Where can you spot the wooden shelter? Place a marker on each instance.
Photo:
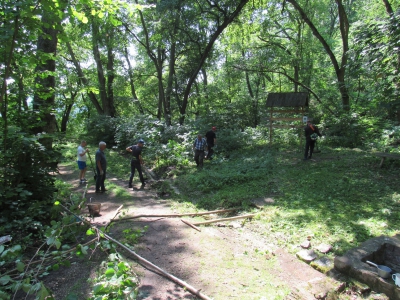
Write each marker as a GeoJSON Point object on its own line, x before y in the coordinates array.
{"type": "Point", "coordinates": [286, 107]}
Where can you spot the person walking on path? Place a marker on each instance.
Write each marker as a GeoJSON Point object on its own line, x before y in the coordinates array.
{"type": "Point", "coordinates": [82, 161]}
{"type": "Point", "coordinates": [211, 141]}
{"type": "Point", "coordinates": [136, 161]}
{"type": "Point", "coordinates": [101, 168]}
{"type": "Point", "coordinates": [199, 146]}
{"type": "Point", "coordinates": [311, 132]}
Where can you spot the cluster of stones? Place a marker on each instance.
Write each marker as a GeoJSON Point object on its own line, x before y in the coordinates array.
{"type": "Point", "coordinates": [308, 255]}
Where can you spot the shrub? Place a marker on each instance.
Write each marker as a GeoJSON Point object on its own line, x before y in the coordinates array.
{"type": "Point", "coordinates": [27, 183]}
{"type": "Point", "coordinates": [102, 128]}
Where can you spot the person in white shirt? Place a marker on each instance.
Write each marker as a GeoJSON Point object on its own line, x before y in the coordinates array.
{"type": "Point", "coordinates": [82, 161]}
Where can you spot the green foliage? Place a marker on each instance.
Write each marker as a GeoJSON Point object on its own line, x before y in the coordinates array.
{"type": "Point", "coordinates": [350, 130]}
{"type": "Point", "coordinates": [102, 128]}
{"type": "Point", "coordinates": [132, 235]}
{"type": "Point", "coordinates": [27, 183]}
{"type": "Point", "coordinates": [116, 280]}
{"type": "Point", "coordinates": [389, 140]}
{"type": "Point", "coordinates": [230, 182]}
{"type": "Point", "coordinates": [375, 55]}
{"type": "Point", "coordinates": [172, 153]}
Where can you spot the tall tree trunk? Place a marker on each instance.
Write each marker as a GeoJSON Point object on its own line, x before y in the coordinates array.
{"type": "Point", "coordinates": [107, 100]}
{"type": "Point", "coordinates": [132, 83]}
{"type": "Point", "coordinates": [8, 62]}
{"type": "Point", "coordinates": [227, 20]}
{"type": "Point", "coordinates": [344, 30]}
{"type": "Point", "coordinates": [99, 66]}
{"type": "Point", "coordinates": [389, 8]}
{"type": "Point", "coordinates": [44, 97]}
{"type": "Point", "coordinates": [161, 95]}
{"type": "Point", "coordinates": [157, 61]}
{"type": "Point", "coordinates": [170, 81]}
{"type": "Point", "coordinates": [110, 74]}
{"type": "Point", "coordinates": [67, 111]}
{"type": "Point", "coordinates": [83, 80]}
{"type": "Point", "coordinates": [65, 117]}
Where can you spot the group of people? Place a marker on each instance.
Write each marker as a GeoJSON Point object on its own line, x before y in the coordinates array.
{"type": "Point", "coordinates": [202, 147]}
{"type": "Point", "coordinates": [101, 164]}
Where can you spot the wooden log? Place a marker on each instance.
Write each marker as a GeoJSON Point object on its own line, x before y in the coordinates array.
{"type": "Point", "coordinates": [287, 119]}
{"type": "Point", "coordinates": [191, 225]}
{"type": "Point", "coordinates": [224, 219]}
{"type": "Point", "coordinates": [116, 213]}
{"type": "Point", "coordinates": [179, 215]}
{"type": "Point", "coordinates": [147, 263]}
{"type": "Point", "coordinates": [287, 126]}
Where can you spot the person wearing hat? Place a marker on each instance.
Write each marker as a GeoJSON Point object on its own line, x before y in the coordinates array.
{"type": "Point", "coordinates": [211, 141]}
{"type": "Point", "coordinates": [136, 161]}
{"type": "Point", "coordinates": [311, 132]}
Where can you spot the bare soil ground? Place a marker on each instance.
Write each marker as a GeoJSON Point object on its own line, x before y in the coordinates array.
{"type": "Point", "coordinates": [227, 262]}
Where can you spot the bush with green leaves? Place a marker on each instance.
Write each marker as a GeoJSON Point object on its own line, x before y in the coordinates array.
{"type": "Point", "coordinates": [230, 182]}
{"type": "Point", "coordinates": [27, 183]}
{"type": "Point", "coordinates": [116, 280]}
{"type": "Point", "coordinates": [102, 128]}
{"type": "Point", "coordinates": [344, 131]}
{"type": "Point", "coordinates": [389, 140]}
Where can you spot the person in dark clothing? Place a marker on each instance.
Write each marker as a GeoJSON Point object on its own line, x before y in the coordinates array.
{"type": "Point", "coordinates": [199, 146]}
{"type": "Point", "coordinates": [211, 141]}
{"type": "Point", "coordinates": [136, 161]}
{"type": "Point", "coordinates": [101, 167]}
{"type": "Point", "coordinates": [311, 132]}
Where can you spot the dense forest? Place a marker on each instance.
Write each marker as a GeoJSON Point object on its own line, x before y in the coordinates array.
{"type": "Point", "coordinates": [163, 70]}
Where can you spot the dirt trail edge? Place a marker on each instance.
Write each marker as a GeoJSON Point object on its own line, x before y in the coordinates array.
{"type": "Point", "coordinates": [220, 262]}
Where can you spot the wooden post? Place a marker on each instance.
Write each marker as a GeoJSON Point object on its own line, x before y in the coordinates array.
{"type": "Point", "coordinates": [270, 125]}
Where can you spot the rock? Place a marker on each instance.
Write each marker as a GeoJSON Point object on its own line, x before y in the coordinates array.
{"type": "Point", "coordinates": [323, 264]}
{"type": "Point", "coordinates": [324, 248]}
{"type": "Point", "coordinates": [305, 244]}
{"type": "Point", "coordinates": [235, 225]}
{"type": "Point", "coordinates": [306, 255]}
{"type": "Point", "coordinates": [342, 263]}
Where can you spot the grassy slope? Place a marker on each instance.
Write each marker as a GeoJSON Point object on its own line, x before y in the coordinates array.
{"type": "Point", "coordinates": [342, 198]}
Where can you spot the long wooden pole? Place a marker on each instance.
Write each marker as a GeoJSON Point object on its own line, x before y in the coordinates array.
{"type": "Point", "coordinates": [224, 219]}
{"type": "Point", "coordinates": [172, 277]}
{"type": "Point", "coordinates": [191, 225]}
{"type": "Point", "coordinates": [178, 215]}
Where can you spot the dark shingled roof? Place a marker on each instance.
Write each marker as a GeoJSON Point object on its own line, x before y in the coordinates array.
{"type": "Point", "coordinates": [287, 99]}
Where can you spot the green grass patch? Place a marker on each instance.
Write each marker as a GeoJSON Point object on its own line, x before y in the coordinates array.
{"type": "Point", "coordinates": [343, 198]}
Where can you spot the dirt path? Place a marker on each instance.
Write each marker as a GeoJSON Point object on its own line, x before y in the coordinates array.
{"type": "Point", "coordinates": [223, 262]}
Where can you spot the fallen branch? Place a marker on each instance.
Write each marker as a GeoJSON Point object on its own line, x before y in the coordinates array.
{"type": "Point", "coordinates": [172, 277]}
{"type": "Point", "coordinates": [224, 219]}
{"type": "Point", "coordinates": [116, 213]}
{"type": "Point", "coordinates": [179, 215]}
{"type": "Point", "coordinates": [146, 262]}
{"type": "Point", "coordinates": [191, 225]}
